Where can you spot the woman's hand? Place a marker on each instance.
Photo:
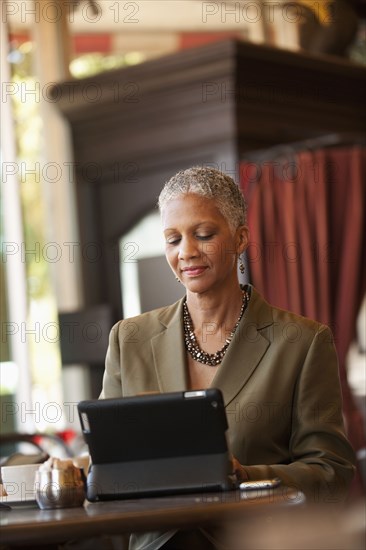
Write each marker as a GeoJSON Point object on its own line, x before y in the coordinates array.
{"type": "Point", "coordinates": [238, 470]}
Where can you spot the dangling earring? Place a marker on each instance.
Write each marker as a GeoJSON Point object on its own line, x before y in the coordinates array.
{"type": "Point", "coordinates": [177, 279]}
{"type": "Point", "coordinates": [241, 266]}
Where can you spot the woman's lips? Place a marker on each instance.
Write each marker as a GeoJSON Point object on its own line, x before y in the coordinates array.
{"type": "Point", "coordinates": [194, 271]}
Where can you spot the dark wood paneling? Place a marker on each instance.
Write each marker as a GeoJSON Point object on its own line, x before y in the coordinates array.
{"type": "Point", "coordinates": [134, 128]}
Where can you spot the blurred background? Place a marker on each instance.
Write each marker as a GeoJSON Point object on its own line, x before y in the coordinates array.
{"type": "Point", "coordinates": [102, 101]}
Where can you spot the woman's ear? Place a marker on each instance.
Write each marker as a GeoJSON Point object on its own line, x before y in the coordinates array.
{"type": "Point", "coordinates": [243, 238]}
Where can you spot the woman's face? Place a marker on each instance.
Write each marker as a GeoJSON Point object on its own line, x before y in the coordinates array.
{"type": "Point", "coordinates": [200, 247]}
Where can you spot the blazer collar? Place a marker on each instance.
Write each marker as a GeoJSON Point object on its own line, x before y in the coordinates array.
{"type": "Point", "coordinates": [169, 352]}
{"type": "Point", "coordinates": [248, 347]}
{"type": "Point", "coordinates": [242, 358]}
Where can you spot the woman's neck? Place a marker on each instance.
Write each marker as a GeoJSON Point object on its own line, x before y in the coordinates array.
{"type": "Point", "coordinates": [214, 311]}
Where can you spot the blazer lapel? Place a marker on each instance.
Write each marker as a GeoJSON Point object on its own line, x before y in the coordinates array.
{"type": "Point", "coordinates": [168, 351]}
{"type": "Point", "coordinates": [246, 350]}
{"type": "Point", "coordinates": [242, 358]}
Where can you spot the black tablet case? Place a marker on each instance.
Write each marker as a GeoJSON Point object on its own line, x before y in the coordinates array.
{"type": "Point", "coordinates": [156, 444]}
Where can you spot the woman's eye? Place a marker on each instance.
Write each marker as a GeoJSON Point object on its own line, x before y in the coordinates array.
{"type": "Point", "coordinates": [204, 237]}
{"type": "Point", "coordinates": [172, 241]}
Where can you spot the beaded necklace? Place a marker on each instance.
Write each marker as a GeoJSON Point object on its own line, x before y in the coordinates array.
{"type": "Point", "coordinates": [190, 340]}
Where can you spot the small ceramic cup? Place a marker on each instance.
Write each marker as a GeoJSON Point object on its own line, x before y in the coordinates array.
{"type": "Point", "coordinates": [18, 482]}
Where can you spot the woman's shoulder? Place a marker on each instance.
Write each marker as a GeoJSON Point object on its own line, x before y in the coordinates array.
{"type": "Point", "coordinates": [285, 318]}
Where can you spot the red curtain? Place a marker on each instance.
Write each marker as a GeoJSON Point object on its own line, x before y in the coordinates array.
{"type": "Point", "coordinates": [307, 220]}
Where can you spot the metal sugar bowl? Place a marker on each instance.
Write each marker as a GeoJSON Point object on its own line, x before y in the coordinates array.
{"type": "Point", "coordinates": [59, 488]}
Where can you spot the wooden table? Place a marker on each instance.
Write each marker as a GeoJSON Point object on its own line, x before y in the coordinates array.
{"type": "Point", "coordinates": [28, 524]}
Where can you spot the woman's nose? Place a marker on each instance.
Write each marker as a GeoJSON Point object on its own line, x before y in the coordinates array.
{"type": "Point", "coordinates": [188, 249]}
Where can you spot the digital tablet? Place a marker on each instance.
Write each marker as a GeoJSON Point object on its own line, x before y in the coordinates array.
{"type": "Point", "coordinates": [156, 444]}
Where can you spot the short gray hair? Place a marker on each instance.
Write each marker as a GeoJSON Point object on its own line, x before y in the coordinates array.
{"type": "Point", "coordinates": [210, 183]}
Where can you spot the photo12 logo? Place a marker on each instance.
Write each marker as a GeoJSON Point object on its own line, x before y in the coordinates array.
{"type": "Point", "coordinates": [55, 11]}
{"type": "Point", "coordinates": [265, 11]}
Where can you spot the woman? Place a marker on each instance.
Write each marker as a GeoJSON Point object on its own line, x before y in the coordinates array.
{"type": "Point", "coordinates": [277, 371]}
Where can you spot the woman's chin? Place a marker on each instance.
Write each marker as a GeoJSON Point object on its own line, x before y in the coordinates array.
{"type": "Point", "coordinates": [197, 285]}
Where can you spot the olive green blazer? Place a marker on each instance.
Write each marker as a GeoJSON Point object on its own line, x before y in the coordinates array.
{"type": "Point", "coordinates": [280, 383]}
